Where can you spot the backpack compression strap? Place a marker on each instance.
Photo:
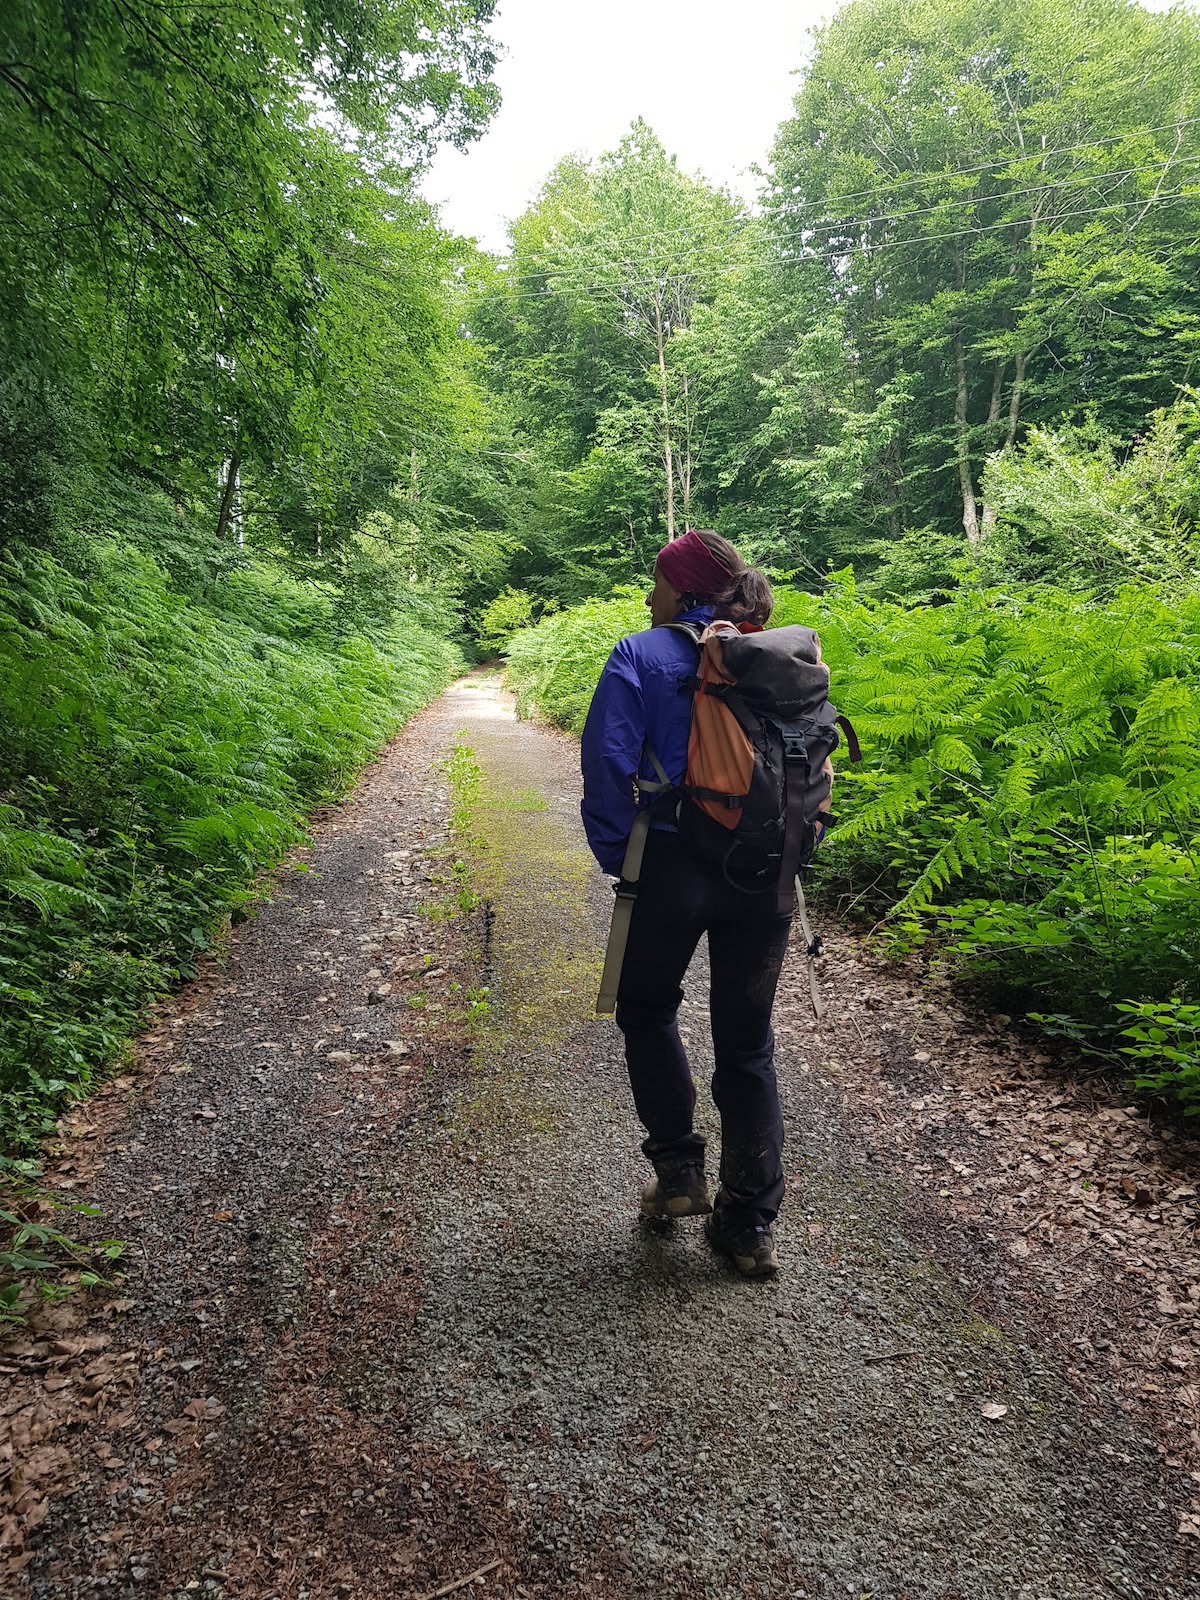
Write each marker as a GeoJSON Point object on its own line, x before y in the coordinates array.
{"type": "Point", "coordinates": [795, 828]}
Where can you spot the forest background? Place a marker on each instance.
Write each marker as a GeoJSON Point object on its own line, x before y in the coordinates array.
{"type": "Point", "coordinates": [278, 455]}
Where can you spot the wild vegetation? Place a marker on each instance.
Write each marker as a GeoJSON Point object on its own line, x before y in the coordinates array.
{"type": "Point", "coordinates": [940, 386]}
{"type": "Point", "coordinates": [240, 489]}
{"type": "Point", "coordinates": [275, 450]}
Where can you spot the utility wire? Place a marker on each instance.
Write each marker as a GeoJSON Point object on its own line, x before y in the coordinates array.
{"type": "Point", "coordinates": [1016, 158]}
{"type": "Point", "coordinates": [803, 254]}
{"type": "Point", "coordinates": [856, 224]}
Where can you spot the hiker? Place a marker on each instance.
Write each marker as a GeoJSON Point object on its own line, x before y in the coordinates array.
{"type": "Point", "coordinates": [636, 736]}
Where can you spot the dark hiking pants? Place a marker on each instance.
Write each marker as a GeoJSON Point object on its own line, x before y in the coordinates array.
{"type": "Point", "coordinates": [679, 898]}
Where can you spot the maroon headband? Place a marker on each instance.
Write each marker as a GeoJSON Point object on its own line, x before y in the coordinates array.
{"type": "Point", "coordinates": [690, 567]}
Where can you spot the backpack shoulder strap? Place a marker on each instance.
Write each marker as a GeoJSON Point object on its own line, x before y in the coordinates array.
{"type": "Point", "coordinates": [664, 782]}
{"type": "Point", "coordinates": [688, 629]}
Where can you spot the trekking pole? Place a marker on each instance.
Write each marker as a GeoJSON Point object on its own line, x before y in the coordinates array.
{"type": "Point", "coordinates": [813, 947]}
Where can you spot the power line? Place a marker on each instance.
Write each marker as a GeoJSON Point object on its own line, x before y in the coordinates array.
{"type": "Point", "coordinates": [843, 225]}
{"type": "Point", "coordinates": [804, 254]}
{"type": "Point", "coordinates": [1016, 158]}
{"type": "Point", "coordinates": [855, 224]}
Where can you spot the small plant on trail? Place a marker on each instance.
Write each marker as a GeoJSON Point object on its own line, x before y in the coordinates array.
{"type": "Point", "coordinates": [464, 779]}
{"type": "Point", "coordinates": [1165, 1035]}
{"type": "Point", "coordinates": [39, 1262]}
{"type": "Point", "coordinates": [479, 1006]}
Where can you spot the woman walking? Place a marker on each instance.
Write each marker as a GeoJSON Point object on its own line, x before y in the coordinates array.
{"type": "Point", "coordinates": [642, 706]}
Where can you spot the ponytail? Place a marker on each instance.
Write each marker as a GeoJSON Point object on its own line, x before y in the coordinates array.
{"type": "Point", "coordinates": [748, 597]}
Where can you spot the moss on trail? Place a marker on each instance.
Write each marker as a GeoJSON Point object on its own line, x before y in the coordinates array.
{"type": "Point", "coordinates": [537, 944]}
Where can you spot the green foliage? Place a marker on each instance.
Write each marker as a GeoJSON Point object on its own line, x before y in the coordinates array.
{"type": "Point", "coordinates": [511, 610]}
{"type": "Point", "coordinates": [160, 749]}
{"type": "Point", "coordinates": [922, 565]}
{"type": "Point", "coordinates": [553, 668]}
{"type": "Point", "coordinates": [971, 285]}
{"type": "Point", "coordinates": [584, 328]}
{"type": "Point", "coordinates": [1030, 796]}
{"type": "Point", "coordinates": [235, 518]}
{"type": "Point", "coordinates": [211, 243]}
{"type": "Point", "coordinates": [1076, 509]}
{"type": "Point", "coordinates": [1165, 1045]}
{"type": "Point", "coordinates": [999, 207]}
{"type": "Point", "coordinates": [1031, 793]}
{"type": "Point", "coordinates": [39, 1261]}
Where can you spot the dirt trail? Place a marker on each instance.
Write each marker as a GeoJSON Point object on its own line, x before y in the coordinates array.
{"type": "Point", "coordinates": [396, 1322]}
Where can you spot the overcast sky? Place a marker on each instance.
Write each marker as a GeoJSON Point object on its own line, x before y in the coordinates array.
{"type": "Point", "coordinates": [713, 78]}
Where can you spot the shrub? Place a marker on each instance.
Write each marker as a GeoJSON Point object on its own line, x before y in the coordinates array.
{"type": "Point", "coordinates": [1078, 509]}
{"type": "Point", "coordinates": [159, 749]}
{"type": "Point", "coordinates": [1165, 1035]}
{"type": "Point", "coordinates": [554, 667]}
{"type": "Point", "coordinates": [1030, 795]}
{"type": "Point", "coordinates": [507, 614]}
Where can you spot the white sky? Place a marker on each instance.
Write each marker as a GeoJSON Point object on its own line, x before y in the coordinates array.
{"type": "Point", "coordinates": [713, 78]}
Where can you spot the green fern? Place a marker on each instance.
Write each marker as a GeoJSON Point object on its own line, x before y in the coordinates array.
{"type": "Point", "coordinates": [168, 747]}
{"type": "Point", "coordinates": [1031, 791]}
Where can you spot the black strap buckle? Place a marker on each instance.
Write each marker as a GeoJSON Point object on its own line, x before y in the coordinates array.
{"type": "Point", "coordinates": [795, 740]}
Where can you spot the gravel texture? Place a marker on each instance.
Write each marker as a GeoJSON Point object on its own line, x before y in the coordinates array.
{"type": "Point", "coordinates": [395, 1322]}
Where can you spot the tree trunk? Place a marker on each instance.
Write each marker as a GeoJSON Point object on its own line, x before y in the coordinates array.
{"type": "Point", "coordinates": [963, 442]}
{"type": "Point", "coordinates": [668, 454]}
{"type": "Point", "coordinates": [988, 517]}
{"type": "Point", "coordinates": [1014, 399]}
{"type": "Point", "coordinates": [227, 494]}
{"type": "Point", "coordinates": [685, 465]}
{"type": "Point", "coordinates": [1014, 418]}
{"type": "Point", "coordinates": [997, 394]}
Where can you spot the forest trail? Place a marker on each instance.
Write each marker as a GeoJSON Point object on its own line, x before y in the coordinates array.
{"type": "Point", "coordinates": [392, 1320]}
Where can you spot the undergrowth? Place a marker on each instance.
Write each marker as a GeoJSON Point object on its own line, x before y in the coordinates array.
{"type": "Point", "coordinates": [163, 732]}
{"type": "Point", "coordinates": [1029, 799]}
{"type": "Point", "coordinates": [553, 667]}
{"type": "Point", "coordinates": [39, 1261]}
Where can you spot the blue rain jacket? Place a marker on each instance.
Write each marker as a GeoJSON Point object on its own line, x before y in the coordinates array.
{"type": "Point", "coordinates": [638, 701]}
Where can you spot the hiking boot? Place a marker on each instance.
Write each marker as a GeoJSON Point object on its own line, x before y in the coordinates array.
{"type": "Point", "coordinates": [680, 1192]}
{"type": "Point", "coordinates": [752, 1249]}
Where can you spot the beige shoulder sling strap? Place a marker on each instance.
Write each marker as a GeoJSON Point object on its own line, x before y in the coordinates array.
{"type": "Point", "coordinates": [627, 889]}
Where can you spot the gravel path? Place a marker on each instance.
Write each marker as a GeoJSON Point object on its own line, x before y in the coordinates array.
{"type": "Point", "coordinates": [397, 1323]}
